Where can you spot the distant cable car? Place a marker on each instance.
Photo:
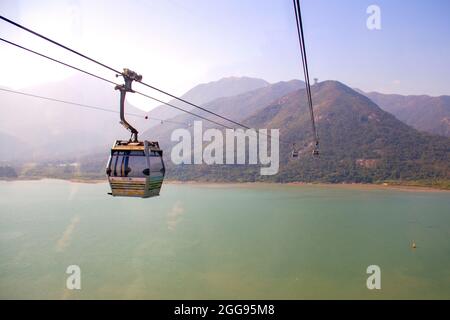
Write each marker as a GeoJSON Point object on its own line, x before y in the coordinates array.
{"type": "Point", "coordinates": [316, 149]}
{"type": "Point", "coordinates": [135, 168]}
{"type": "Point", "coordinates": [294, 152]}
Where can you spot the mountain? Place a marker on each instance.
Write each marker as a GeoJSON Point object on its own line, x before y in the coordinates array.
{"type": "Point", "coordinates": [206, 92]}
{"type": "Point", "coordinates": [359, 143]}
{"type": "Point", "coordinates": [425, 113]}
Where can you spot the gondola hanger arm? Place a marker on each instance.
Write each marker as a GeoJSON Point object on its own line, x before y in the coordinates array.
{"type": "Point", "coordinates": [128, 76]}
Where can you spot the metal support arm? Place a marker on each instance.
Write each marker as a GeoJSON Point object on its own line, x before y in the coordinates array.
{"type": "Point", "coordinates": [128, 76]}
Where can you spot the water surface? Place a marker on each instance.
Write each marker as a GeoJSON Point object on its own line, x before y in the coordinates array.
{"type": "Point", "coordinates": [223, 242]}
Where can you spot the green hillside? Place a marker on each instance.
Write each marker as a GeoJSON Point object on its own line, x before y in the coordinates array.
{"type": "Point", "coordinates": [359, 143]}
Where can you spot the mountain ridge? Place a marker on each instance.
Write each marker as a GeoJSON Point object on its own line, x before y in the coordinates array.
{"type": "Point", "coordinates": [426, 113]}
{"type": "Point", "coordinates": [207, 92]}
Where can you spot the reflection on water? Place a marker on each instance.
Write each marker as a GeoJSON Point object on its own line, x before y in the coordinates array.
{"type": "Point", "coordinates": [222, 241]}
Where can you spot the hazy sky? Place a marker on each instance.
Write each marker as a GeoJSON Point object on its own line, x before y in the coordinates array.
{"type": "Point", "coordinates": [177, 44]}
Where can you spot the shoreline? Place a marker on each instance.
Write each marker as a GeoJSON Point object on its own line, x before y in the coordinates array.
{"type": "Point", "coordinates": [346, 185]}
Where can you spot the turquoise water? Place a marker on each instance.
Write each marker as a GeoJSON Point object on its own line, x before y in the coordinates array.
{"type": "Point", "coordinates": [223, 241]}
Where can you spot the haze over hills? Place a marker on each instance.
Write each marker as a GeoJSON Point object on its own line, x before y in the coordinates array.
{"type": "Point", "coordinates": [425, 113]}
{"type": "Point", "coordinates": [53, 129]}
{"type": "Point", "coordinates": [206, 92]}
{"type": "Point", "coordinates": [12, 148]}
{"type": "Point", "coordinates": [50, 130]}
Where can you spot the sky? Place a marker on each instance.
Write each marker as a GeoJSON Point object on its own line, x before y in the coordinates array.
{"type": "Point", "coordinates": [178, 44]}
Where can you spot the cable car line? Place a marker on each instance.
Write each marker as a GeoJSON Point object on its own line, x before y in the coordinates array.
{"type": "Point", "coordinates": [56, 43]}
{"type": "Point", "coordinates": [194, 105]}
{"type": "Point", "coordinates": [201, 117]}
{"type": "Point", "coordinates": [136, 167]}
{"type": "Point", "coordinates": [116, 84]}
{"type": "Point", "coordinates": [121, 73]}
{"type": "Point", "coordinates": [186, 111]}
{"type": "Point", "coordinates": [87, 106]}
{"type": "Point", "coordinates": [69, 102]}
{"type": "Point", "coordinates": [301, 38]}
{"type": "Point", "coordinates": [57, 61]}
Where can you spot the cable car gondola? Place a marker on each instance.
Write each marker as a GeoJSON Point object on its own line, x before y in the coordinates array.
{"type": "Point", "coordinates": [135, 168]}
